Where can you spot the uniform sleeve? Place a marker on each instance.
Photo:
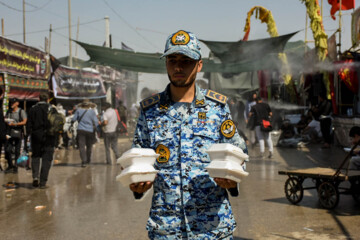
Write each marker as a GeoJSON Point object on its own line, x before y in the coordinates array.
{"type": "Point", "coordinates": [141, 135]}
{"type": "Point", "coordinates": [141, 140]}
{"type": "Point", "coordinates": [237, 141]}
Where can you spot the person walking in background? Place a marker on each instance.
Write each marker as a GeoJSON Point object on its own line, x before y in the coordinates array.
{"type": "Point", "coordinates": [251, 129]}
{"type": "Point", "coordinates": [86, 130]}
{"type": "Point", "coordinates": [123, 117]}
{"type": "Point", "coordinates": [180, 124]}
{"type": "Point", "coordinates": [109, 123]}
{"type": "Point", "coordinates": [17, 119]}
{"type": "Point", "coordinates": [262, 111]}
{"type": "Point", "coordinates": [42, 144]}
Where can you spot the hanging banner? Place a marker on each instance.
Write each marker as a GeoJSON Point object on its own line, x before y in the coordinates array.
{"type": "Point", "coordinates": [19, 59]}
{"type": "Point", "coordinates": [71, 83]}
{"type": "Point", "coordinates": [22, 88]}
{"type": "Point", "coordinates": [109, 74]}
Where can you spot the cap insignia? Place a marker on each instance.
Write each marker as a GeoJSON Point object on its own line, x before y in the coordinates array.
{"type": "Point", "coordinates": [180, 38]}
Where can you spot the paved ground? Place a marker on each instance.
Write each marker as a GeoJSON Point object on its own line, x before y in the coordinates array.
{"type": "Point", "coordinates": [87, 203]}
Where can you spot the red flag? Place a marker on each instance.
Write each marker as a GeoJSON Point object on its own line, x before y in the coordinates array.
{"type": "Point", "coordinates": [345, 5]}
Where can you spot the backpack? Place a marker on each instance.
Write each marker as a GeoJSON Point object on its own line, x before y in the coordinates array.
{"type": "Point", "coordinates": [57, 121]}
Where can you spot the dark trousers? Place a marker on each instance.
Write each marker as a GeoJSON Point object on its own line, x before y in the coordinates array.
{"type": "Point", "coordinates": [86, 140]}
{"type": "Point", "coordinates": [325, 125]}
{"type": "Point", "coordinates": [110, 140]}
{"type": "Point", "coordinates": [41, 168]}
{"type": "Point", "coordinates": [10, 144]}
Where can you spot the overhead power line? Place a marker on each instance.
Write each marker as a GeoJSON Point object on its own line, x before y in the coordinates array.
{"type": "Point", "coordinates": [130, 26]}
{"type": "Point", "coordinates": [20, 10]}
{"type": "Point", "coordinates": [58, 28]}
{"type": "Point", "coordinates": [37, 8]}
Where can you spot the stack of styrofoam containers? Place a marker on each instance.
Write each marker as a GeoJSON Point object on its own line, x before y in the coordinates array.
{"type": "Point", "coordinates": [138, 166]}
{"type": "Point", "coordinates": [226, 160]}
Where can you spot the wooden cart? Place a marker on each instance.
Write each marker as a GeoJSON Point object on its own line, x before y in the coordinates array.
{"type": "Point", "coordinates": [327, 181]}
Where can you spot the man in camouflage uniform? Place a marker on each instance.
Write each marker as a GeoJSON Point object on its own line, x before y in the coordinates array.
{"type": "Point", "coordinates": [180, 124]}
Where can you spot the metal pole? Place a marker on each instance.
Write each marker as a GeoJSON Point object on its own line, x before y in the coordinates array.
{"type": "Point", "coordinates": [107, 31]}
{"type": "Point", "coordinates": [77, 36]}
{"type": "Point", "coordinates": [2, 27]}
{"type": "Point", "coordinates": [340, 14]}
{"type": "Point", "coordinates": [46, 45]}
{"type": "Point", "coordinates": [321, 10]}
{"type": "Point", "coordinates": [24, 29]}
{"type": "Point", "coordinates": [306, 29]}
{"type": "Point", "coordinates": [70, 54]}
{"type": "Point", "coordinates": [50, 37]}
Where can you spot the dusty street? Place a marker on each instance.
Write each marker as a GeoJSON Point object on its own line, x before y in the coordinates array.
{"type": "Point", "coordinates": [87, 203]}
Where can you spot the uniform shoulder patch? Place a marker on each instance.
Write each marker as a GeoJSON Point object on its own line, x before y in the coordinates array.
{"type": "Point", "coordinates": [216, 96]}
{"type": "Point", "coordinates": [148, 102]}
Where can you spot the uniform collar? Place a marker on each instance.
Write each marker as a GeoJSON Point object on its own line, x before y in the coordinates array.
{"type": "Point", "coordinates": [199, 100]}
{"type": "Point", "coordinates": [165, 98]}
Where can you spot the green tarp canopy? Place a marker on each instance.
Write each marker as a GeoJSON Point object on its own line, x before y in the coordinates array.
{"type": "Point", "coordinates": [261, 57]}
{"type": "Point", "coordinates": [244, 51]}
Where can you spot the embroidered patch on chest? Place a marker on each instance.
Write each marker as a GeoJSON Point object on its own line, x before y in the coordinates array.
{"type": "Point", "coordinates": [228, 128]}
{"type": "Point", "coordinates": [164, 154]}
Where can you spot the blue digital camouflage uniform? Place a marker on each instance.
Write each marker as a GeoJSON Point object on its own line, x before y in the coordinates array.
{"type": "Point", "coordinates": [187, 203]}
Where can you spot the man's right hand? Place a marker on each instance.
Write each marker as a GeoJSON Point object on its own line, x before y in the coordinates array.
{"type": "Point", "coordinates": [140, 187]}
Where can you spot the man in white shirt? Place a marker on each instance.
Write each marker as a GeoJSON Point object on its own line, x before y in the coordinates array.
{"type": "Point", "coordinates": [109, 123]}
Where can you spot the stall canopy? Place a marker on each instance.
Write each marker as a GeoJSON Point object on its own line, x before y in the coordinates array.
{"type": "Point", "coordinates": [265, 56]}
{"type": "Point", "coordinates": [72, 83]}
{"type": "Point", "coordinates": [25, 70]}
{"type": "Point", "coordinates": [241, 51]}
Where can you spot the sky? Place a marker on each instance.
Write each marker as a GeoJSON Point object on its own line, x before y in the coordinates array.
{"type": "Point", "coordinates": [145, 24]}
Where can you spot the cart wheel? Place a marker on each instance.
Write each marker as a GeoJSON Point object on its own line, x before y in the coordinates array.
{"type": "Point", "coordinates": [355, 190]}
{"type": "Point", "coordinates": [328, 195]}
{"type": "Point", "coordinates": [293, 190]}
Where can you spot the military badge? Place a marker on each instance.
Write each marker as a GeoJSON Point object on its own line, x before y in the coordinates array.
{"type": "Point", "coordinates": [180, 38]}
{"type": "Point", "coordinates": [228, 128]}
{"type": "Point", "coordinates": [216, 96]}
{"type": "Point", "coordinates": [202, 115]}
{"type": "Point", "coordinates": [164, 154]}
{"type": "Point", "coordinates": [200, 102]}
{"type": "Point", "coordinates": [150, 101]}
{"type": "Point", "coordinates": [164, 107]}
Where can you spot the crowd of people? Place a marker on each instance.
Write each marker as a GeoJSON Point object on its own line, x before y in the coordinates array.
{"type": "Point", "coordinates": [28, 139]}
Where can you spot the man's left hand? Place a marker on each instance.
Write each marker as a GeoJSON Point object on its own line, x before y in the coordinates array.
{"type": "Point", "coordinates": [225, 183]}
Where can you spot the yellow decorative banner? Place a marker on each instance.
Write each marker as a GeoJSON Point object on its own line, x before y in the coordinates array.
{"type": "Point", "coordinates": [320, 37]}
{"type": "Point", "coordinates": [266, 16]}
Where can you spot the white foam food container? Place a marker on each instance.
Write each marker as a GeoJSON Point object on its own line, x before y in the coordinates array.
{"type": "Point", "coordinates": [228, 170]}
{"type": "Point", "coordinates": [226, 152]}
{"type": "Point", "coordinates": [129, 176]}
{"type": "Point", "coordinates": [137, 156]}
